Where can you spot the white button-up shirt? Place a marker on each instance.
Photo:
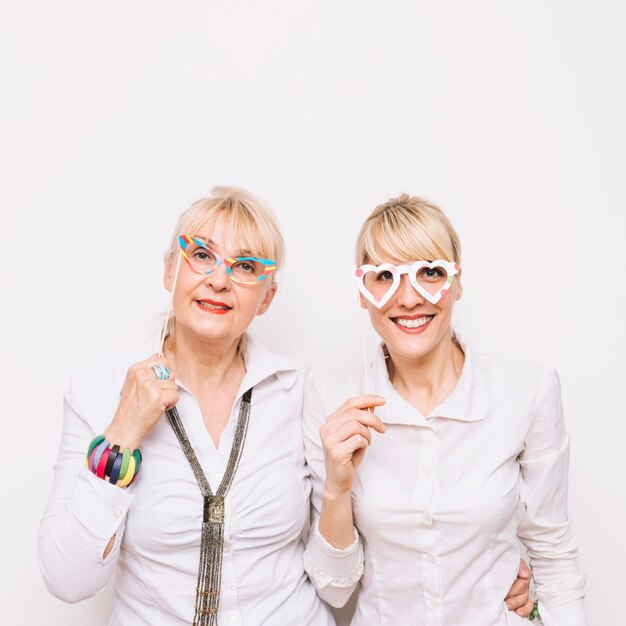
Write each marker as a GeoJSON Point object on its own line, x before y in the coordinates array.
{"type": "Point", "coordinates": [157, 521]}
{"type": "Point", "coordinates": [436, 500]}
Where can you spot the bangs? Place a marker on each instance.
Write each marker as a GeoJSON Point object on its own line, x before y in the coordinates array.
{"type": "Point", "coordinates": [405, 238]}
{"type": "Point", "coordinates": [407, 231]}
{"type": "Point", "coordinates": [244, 232]}
{"type": "Point", "coordinates": [251, 226]}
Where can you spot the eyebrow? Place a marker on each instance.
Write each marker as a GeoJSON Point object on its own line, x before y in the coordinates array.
{"type": "Point", "coordinates": [210, 242]}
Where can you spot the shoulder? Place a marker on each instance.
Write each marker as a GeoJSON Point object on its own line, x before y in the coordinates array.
{"type": "Point", "coordinates": [523, 382]}
{"type": "Point", "coordinates": [100, 379]}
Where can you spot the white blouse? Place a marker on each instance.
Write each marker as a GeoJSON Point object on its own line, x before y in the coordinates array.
{"type": "Point", "coordinates": [436, 500]}
{"type": "Point", "coordinates": [157, 520]}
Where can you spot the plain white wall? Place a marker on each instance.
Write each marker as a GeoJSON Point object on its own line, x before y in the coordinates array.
{"type": "Point", "coordinates": [116, 115]}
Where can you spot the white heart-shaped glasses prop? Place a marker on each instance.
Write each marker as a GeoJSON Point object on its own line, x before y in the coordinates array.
{"type": "Point", "coordinates": [378, 283]}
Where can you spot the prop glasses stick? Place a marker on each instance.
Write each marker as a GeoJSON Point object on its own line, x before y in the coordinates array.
{"type": "Point", "coordinates": [169, 308]}
{"type": "Point", "coordinates": [363, 346]}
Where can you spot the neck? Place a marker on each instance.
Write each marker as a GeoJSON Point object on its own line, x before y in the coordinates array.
{"type": "Point", "coordinates": [430, 377]}
{"type": "Point", "coordinates": [200, 363]}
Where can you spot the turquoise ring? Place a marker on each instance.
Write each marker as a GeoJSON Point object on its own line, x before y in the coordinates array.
{"type": "Point", "coordinates": [162, 372]}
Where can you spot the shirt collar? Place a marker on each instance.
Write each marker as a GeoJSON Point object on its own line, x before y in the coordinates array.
{"type": "Point", "coordinates": [261, 363]}
{"type": "Point", "coordinates": [468, 401]}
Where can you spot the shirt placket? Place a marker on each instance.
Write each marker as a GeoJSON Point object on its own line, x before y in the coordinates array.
{"type": "Point", "coordinates": [229, 608]}
{"type": "Point", "coordinates": [428, 539]}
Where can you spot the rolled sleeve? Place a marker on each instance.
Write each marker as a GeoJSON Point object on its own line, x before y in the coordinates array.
{"type": "Point", "coordinates": [334, 572]}
{"type": "Point", "coordinates": [328, 566]}
{"type": "Point", "coordinates": [545, 528]}
{"type": "Point", "coordinates": [81, 516]}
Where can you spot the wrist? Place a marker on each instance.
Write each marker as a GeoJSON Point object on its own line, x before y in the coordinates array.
{"type": "Point", "coordinates": [123, 437]}
{"type": "Point", "coordinates": [334, 494]}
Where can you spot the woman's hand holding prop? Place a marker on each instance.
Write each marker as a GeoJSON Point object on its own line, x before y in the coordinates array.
{"type": "Point", "coordinates": [148, 391]}
{"type": "Point", "coordinates": [345, 437]}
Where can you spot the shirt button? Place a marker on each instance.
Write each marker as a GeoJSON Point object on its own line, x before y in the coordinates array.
{"type": "Point", "coordinates": [428, 518]}
{"type": "Point", "coordinates": [228, 585]}
{"type": "Point", "coordinates": [430, 558]}
{"type": "Point", "coordinates": [233, 619]}
{"type": "Point", "coordinates": [227, 550]}
{"type": "Point", "coordinates": [117, 512]}
{"type": "Point", "coordinates": [218, 478]}
{"type": "Point", "coordinates": [434, 604]}
{"type": "Point", "coordinates": [427, 471]}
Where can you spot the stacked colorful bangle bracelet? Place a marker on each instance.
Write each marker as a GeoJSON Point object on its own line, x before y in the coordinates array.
{"type": "Point", "coordinates": [109, 462]}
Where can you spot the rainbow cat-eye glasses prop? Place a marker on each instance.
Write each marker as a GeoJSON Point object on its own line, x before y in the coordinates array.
{"type": "Point", "coordinates": [378, 283]}
{"type": "Point", "coordinates": [244, 270]}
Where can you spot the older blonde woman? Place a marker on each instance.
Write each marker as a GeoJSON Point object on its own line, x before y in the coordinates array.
{"type": "Point", "coordinates": [433, 453]}
{"type": "Point", "coordinates": [211, 528]}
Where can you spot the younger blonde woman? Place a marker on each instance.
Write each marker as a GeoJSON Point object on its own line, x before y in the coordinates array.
{"type": "Point", "coordinates": [420, 466]}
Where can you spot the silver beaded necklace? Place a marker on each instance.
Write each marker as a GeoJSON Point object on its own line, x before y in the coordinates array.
{"type": "Point", "coordinates": [212, 541]}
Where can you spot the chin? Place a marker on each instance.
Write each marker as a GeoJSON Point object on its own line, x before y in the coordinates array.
{"type": "Point", "coordinates": [409, 349]}
{"type": "Point", "coordinates": [412, 345]}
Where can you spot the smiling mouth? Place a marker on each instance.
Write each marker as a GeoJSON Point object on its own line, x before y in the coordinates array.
{"type": "Point", "coordinates": [412, 323]}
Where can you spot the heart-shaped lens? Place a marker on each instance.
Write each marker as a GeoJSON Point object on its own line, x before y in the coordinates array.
{"type": "Point", "coordinates": [432, 280]}
{"type": "Point", "coordinates": [377, 282]}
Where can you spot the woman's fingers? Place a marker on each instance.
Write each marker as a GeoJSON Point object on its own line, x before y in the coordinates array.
{"type": "Point", "coordinates": [515, 602]}
{"type": "Point", "coordinates": [169, 399]}
{"type": "Point", "coordinates": [345, 435]}
{"type": "Point", "coordinates": [518, 591]}
{"type": "Point", "coordinates": [526, 609]}
{"type": "Point", "coordinates": [347, 430]}
{"type": "Point", "coordinates": [346, 448]}
{"type": "Point", "coordinates": [146, 367]}
{"type": "Point", "coordinates": [336, 421]}
{"type": "Point", "coordinates": [360, 402]}
{"type": "Point", "coordinates": [524, 571]}
{"type": "Point", "coordinates": [519, 594]}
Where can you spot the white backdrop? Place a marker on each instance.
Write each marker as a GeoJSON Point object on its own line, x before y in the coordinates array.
{"type": "Point", "coordinates": [116, 115]}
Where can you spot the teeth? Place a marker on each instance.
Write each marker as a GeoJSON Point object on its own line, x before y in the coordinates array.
{"type": "Point", "coordinates": [206, 305]}
{"type": "Point", "coordinates": [416, 323]}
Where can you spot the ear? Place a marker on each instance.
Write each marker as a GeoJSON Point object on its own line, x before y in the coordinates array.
{"type": "Point", "coordinates": [267, 300]}
{"type": "Point", "coordinates": [169, 267]}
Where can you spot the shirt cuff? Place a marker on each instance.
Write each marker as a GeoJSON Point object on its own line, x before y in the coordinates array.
{"type": "Point", "coordinates": [97, 504]}
{"type": "Point", "coordinates": [334, 566]}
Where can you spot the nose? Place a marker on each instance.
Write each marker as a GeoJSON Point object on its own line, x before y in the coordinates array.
{"type": "Point", "coordinates": [406, 295]}
{"type": "Point", "coordinates": [218, 278]}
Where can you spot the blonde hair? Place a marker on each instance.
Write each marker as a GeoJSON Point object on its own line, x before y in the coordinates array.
{"type": "Point", "coordinates": [251, 221]}
{"type": "Point", "coordinates": [407, 228]}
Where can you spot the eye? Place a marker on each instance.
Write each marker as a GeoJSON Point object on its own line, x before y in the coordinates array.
{"type": "Point", "coordinates": [202, 255]}
{"type": "Point", "coordinates": [247, 267]}
{"type": "Point", "coordinates": [385, 275]}
{"type": "Point", "coordinates": [432, 273]}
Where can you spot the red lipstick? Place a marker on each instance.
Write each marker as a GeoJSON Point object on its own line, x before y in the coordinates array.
{"type": "Point", "coordinates": [213, 306]}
